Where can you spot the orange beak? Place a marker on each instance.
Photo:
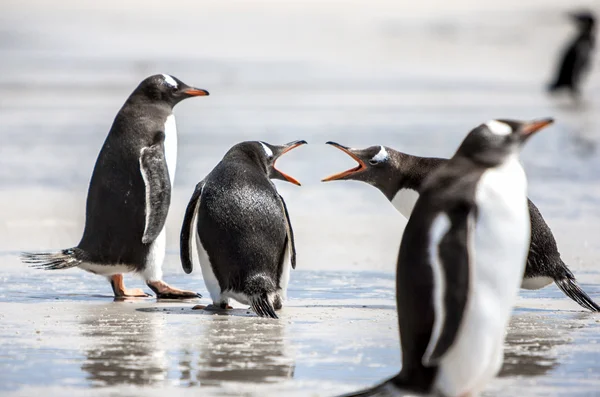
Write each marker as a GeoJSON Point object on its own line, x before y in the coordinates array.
{"type": "Point", "coordinates": [536, 125]}
{"type": "Point", "coordinates": [196, 92]}
{"type": "Point", "coordinates": [359, 168]}
{"type": "Point", "coordinates": [289, 146]}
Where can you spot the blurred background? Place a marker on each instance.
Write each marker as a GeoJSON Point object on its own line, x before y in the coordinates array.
{"type": "Point", "coordinates": [415, 76]}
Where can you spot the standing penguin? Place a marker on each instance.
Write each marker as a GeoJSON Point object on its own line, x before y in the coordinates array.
{"type": "Point", "coordinates": [130, 193]}
{"type": "Point", "coordinates": [399, 176]}
{"type": "Point", "coordinates": [244, 236]}
{"type": "Point", "coordinates": [576, 58]}
{"type": "Point", "coordinates": [461, 260]}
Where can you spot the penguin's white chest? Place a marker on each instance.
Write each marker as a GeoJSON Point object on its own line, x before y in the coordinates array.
{"type": "Point", "coordinates": [497, 256]}
{"type": "Point", "coordinates": [404, 201]}
{"type": "Point", "coordinates": [171, 146]}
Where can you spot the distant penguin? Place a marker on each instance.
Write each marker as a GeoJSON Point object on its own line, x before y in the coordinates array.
{"type": "Point", "coordinates": [461, 260]}
{"type": "Point", "coordinates": [130, 193]}
{"type": "Point", "coordinates": [244, 235]}
{"type": "Point", "coordinates": [576, 58]}
{"type": "Point", "coordinates": [399, 176]}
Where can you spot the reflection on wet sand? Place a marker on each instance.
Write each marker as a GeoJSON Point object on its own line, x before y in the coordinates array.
{"type": "Point", "coordinates": [125, 347]}
{"type": "Point", "coordinates": [530, 344]}
{"type": "Point", "coordinates": [239, 350]}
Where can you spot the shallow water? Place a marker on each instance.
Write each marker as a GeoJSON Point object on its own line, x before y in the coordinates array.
{"type": "Point", "coordinates": [415, 77]}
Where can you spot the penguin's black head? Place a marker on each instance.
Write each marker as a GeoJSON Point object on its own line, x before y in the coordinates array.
{"type": "Point", "coordinates": [584, 19]}
{"type": "Point", "coordinates": [377, 165]}
{"type": "Point", "coordinates": [265, 155]}
{"type": "Point", "coordinates": [166, 88]}
{"type": "Point", "coordinates": [491, 143]}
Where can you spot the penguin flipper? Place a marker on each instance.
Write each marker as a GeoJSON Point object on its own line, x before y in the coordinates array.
{"type": "Point", "coordinates": [153, 167]}
{"type": "Point", "coordinates": [290, 233]}
{"type": "Point", "coordinates": [451, 232]}
{"type": "Point", "coordinates": [187, 229]}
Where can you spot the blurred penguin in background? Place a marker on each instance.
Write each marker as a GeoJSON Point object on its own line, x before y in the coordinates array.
{"type": "Point", "coordinates": [576, 58]}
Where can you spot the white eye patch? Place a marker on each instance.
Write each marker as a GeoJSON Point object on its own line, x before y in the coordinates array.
{"type": "Point", "coordinates": [170, 81]}
{"type": "Point", "coordinates": [268, 151]}
{"type": "Point", "coordinates": [381, 156]}
{"type": "Point", "coordinates": [498, 127]}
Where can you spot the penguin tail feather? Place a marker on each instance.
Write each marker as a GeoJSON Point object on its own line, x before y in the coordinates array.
{"type": "Point", "coordinates": [64, 259]}
{"type": "Point", "coordinates": [570, 287]}
{"type": "Point", "coordinates": [259, 290]}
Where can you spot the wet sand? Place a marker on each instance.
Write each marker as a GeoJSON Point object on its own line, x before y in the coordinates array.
{"type": "Point", "coordinates": [410, 77]}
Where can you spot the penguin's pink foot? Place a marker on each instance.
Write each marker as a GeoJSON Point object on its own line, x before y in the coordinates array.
{"type": "Point", "coordinates": [120, 291]}
{"type": "Point", "coordinates": [165, 291]}
{"type": "Point", "coordinates": [199, 307]}
{"type": "Point", "coordinates": [217, 307]}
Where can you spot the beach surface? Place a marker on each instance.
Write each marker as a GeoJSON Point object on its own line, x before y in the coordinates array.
{"type": "Point", "coordinates": [415, 77]}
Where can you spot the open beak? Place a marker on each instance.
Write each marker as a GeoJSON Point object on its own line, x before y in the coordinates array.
{"type": "Point", "coordinates": [534, 126]}
{"type": "Point", "coordinates": [359, 168]}
{"type": "Point", "coordinates": [195, 92]}
{"type": "Point", "coordinates": [287, 148]}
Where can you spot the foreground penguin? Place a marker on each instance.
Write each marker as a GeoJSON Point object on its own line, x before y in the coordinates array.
{"type": "Point", "coordinates": [461, 260]}
{"type": "Point", "coordinates": [577, 56]}
{"type": "Point", "coordinates": [130, 193]}
{"type": "Point", "coordinates": [244, 236]}
{"type": "Point", "coordinates": [399, 176]}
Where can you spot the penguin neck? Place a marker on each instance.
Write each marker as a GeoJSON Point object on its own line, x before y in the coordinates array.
{"type": "Point", "coordinates": [410, 172]}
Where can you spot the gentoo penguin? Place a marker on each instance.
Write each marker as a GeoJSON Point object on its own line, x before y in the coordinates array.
{"type": "Point", "coordinates": [576, 58]}
{"type": "Point", "coordinates": [130, 193]}
{"type": "Point", "coordinates": [461, 260]}
{"type": "Point", "coordinates": [399, 176]}
{"type": "Point", "coordinates": [244, 236]}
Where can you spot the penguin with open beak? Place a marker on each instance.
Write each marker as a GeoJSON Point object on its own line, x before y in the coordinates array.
{"type": "Point", "coordinates": [461, 261]}
{"type": "Point", "coordinates": [244, 235]}
{"type": "Point", "coordinates": [399, 176]}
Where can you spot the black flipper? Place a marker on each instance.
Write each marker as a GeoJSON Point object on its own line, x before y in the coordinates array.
{"type": "Point", "coordinates": [290, 233]}
{"type": "Point", "coordinates": [153, 167]}
{"type": "Point", "coordinates": [453, 248]}
{"type": "Point", "coordinates": [187, 230]}
{"type": "Point", "coordinates": [58, 260]}
{"type": "Point", "coordinates": [570, 287]}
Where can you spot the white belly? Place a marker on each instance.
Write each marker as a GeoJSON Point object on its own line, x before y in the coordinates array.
{"type": "Point", "coordinates": [210, 280]}
{"type": "Point", "coordinates": [500, 245]}
{"type": "Point", "coordinates": [285, 273]}
{"type": "Point", "coordinates": [404, 201]}
{"type": "Point", "coordinates": [105, 270]}
{"type": "Point", "coordinates": [171, 146]}
{"type": "Point", "coordinates": [536, 282]}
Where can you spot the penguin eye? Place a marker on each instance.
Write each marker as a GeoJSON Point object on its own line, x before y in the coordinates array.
{"type": "Point", "coordinates": [373, 162]}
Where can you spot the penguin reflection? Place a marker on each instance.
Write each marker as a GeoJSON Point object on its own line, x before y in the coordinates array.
{"type": "Point", "coordinates": [240, 350]}
{"type": "Point", "coordinates": [123, 349]}
{"type": "Point", "coordinates": [530, 342]}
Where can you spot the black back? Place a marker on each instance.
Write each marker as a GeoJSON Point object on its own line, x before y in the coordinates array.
{"type": "Point", "coordinates": [241, 219]}
{"type": "Point", "coordinates": [449, 189]}
{"type": "Point", "coordinates": [115, 210]}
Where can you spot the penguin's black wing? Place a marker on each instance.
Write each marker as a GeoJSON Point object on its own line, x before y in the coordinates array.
{"type": "Point", "coordinates": [564, 75]}
{"type": "Point", "coordinates": [290, 233]}
{"type": "Point", "coordinates": [450, 256]}
{"type": "Point", "coordinates": [158, 189]}
{"type": "Point", "coordinates": [187, 229]}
